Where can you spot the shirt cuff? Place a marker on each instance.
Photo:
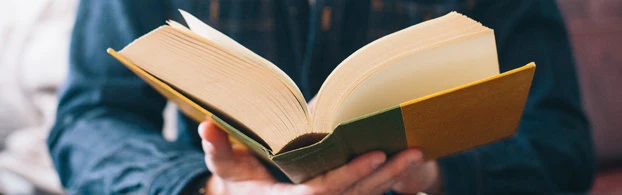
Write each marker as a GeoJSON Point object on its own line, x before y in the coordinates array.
{"type": "Point", "coordinates": [182, 175]}
{"type": "Point", "coordinates": [460, 173]}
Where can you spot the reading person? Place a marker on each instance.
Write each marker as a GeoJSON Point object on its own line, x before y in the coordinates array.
{"type": "Point", "coordinates": [107, 137]}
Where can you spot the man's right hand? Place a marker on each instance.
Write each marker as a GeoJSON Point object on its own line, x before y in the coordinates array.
{"type": "Point", "coordinates": [236, 171]}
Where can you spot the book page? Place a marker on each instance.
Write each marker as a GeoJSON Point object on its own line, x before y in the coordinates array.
{"type": "Point", "coordinates": [200, 28]}
{"type": "Point", "coordinates": [222, 81]}
{"type": "Point", "coordinates": [399, 67]}
{"type": "Point", "coordinates": [423, 73]}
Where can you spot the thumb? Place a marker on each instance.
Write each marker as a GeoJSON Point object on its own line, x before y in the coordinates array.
{"type": "Point", "coordinates": [218, 152]}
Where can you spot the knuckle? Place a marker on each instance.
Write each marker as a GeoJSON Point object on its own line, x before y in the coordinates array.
{"type": "Point", "coordinates": [316, 192]}
{"type": "Point", "coordinates": [396, 173]}
{"type": "Point", "coordinates": [330, 190]}
{"type": "Point", "coordinates": [358, 174]}
{"type": "Point", "coordinates": [359, 189]}
{"type": "Point", "coordinates": [208, 161]}
{"type": "Point", "coordinates": [398, 169]}
{"type": "Point", "coordinates": [325, 190]}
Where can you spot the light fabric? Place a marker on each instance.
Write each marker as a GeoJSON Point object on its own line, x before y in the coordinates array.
{"type": "Point", "coordinates": [34, 46]}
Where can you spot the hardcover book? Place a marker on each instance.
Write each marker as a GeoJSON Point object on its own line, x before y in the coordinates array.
{"type": "Point", "coordinates": [435, 85]}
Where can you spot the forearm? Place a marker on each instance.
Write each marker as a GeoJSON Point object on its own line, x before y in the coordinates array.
{"type": "Point", "coordinates": [108, 151]}
{"type": "Point", "coordinates": [107, 136]}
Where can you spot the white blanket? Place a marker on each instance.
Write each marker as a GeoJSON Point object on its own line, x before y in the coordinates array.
{"type": "Point", "coordinates": [34, 46]}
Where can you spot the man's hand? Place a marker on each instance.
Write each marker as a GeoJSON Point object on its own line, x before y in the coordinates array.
{"type": "Point", "coordinates": [236, 171]}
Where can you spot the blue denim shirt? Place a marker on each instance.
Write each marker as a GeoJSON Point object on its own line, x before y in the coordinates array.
{"type": "Point", "coordinates": [107, 137]}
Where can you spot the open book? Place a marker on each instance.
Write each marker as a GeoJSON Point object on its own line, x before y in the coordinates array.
{"type": "Point", "coordinates": [435, 85]}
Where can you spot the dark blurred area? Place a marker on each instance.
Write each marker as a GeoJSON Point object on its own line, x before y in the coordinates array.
{"type": "Point", "coordinates": [595, 28]}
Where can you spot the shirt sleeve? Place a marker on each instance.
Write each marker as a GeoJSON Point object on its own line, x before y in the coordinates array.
{"type": "Point", "coordinates": [552, 150]}
{"type": "Point", "coordinates": [107, 135]}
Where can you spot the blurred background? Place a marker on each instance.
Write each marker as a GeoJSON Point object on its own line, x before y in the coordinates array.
{"type": "Point", "coordinates": [34, 44]}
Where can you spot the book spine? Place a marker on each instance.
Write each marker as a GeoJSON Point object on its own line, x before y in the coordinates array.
{"type": "Point", "coordinates": [382, 131]}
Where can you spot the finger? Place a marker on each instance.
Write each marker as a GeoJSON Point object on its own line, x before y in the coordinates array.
{"type": "Point", "coordinates": [217, 143]}
{"type": "Point", "coordinates": [386, 176]}
{"type": "Point", "coordinates": [218, 151]}
{"type": "Point", "coordinates": [201, 128]}
{"type": "Point", "coordinates": [217, 140]}
{"type": "Point", "coordinates": [420, 177]}
{"type": "Point", "coordinates": [338, 180]}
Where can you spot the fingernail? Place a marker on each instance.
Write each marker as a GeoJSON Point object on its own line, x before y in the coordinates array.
{"type": "Point", "coordinates": [377, 162]}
